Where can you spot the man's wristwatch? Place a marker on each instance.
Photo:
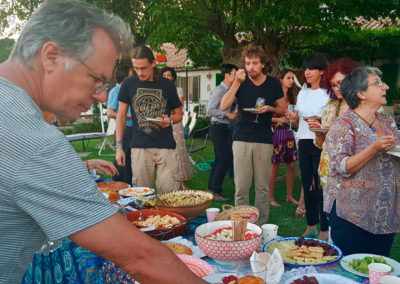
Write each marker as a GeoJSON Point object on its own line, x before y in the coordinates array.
{"type": "Point", "coordinates": [118, 144]}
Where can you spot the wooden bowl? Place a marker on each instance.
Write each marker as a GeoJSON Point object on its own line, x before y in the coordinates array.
{"type": "Point", "coordinates": [188, 211]}
{"type": "Point", "coordinates": [161, 233]}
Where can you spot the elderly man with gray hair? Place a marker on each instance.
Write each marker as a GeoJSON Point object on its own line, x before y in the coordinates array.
{"type": "Point", "coordinates": [62, 63]}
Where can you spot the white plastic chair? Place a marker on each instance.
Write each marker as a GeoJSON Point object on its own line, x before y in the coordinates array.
{"type": "Point", "coordinates": [192, 122]}
{"type": "Point", "coordinates": [112, 124]}
{"type": "Point", "coordinates": [185, 118]}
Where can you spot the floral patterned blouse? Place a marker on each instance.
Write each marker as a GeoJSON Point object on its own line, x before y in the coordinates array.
{"type": "Point", "coordinates": [369, 198]}
{"type": "Point", "coordinates": [329, 115]}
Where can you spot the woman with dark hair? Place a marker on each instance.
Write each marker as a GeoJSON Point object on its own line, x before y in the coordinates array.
{"type": "Point", "coordinates": [284, 143]}
{"type": "Point", "coordinates": [365, 214]}
{"type": "Point", "coordinates": [311, 102]}
{"type": "Point", "coordinates": [185, 170]}
{"type": "Point", "coordinates": [331, 81]}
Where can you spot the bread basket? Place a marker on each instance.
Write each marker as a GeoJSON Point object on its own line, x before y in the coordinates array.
{"type": "Point", "coordinates": [250, 213]}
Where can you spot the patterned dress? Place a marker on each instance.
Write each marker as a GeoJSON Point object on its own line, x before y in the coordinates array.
{"type": "Point", "coordinates": [284, 144]}
{"type": "Point", "coordinates": [331, 112]}
{"type": "Point", "coordinates": [370, 197]}
{"type": "Point", "coordinates": [185, 170]}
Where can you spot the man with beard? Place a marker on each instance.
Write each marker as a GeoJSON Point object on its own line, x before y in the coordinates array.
{"type": "Point", "coordinates": [252, 135]}
{"type": "Point", "coordinates": [155, 107]}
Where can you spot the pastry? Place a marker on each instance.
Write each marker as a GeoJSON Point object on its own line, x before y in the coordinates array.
{"type": "Point", "coordinates": [109, 186]}
{"type": "Point", "coordinates": [250, 280]}
{"type": "Point", "coordinates": [179, 248]}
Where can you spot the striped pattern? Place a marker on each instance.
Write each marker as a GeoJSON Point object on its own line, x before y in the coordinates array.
{"type": "Point", "coordinates": [45, 189]}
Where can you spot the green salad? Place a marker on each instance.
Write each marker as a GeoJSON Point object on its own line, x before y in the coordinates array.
{"type": "Point", "coordinates": [361, 265]}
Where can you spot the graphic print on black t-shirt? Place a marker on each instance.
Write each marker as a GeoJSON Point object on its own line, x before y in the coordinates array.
{"type": "Point", "coordinates": [148, 103]}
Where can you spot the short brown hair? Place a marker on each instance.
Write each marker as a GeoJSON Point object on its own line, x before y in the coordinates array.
{"type": "Point", "coordinates": [253, 50]}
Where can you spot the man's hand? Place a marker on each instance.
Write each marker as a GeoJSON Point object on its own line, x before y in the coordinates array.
{"type": "Point", "coordinates": [103, 166]}
{"type": "Point", "coordinates": [166, 122]}
{"type": "Point", "coordinates": [240, 76]}
{"type": "Point", "coordinates": [120, 157]}
{"type": "Point", "coordinates": [264, 109]}
{"type": "Point", "coordinates": [231, 115]}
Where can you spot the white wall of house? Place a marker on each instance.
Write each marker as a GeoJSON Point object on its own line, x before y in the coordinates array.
{"type": "Point", "coordinates": [201, 83]}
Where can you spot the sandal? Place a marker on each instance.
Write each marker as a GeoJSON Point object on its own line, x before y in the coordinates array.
{"type": "Point", "coordinates": [300, 212]}
{"type": "Point", "coordinates": [313, 234]}
{"type": "Point", "coordinates": [274, 203]}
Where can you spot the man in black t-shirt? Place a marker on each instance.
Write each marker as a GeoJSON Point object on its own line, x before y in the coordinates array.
{"type": "Point", "coordinates": [252, 135]}
{"type": "Point", "coordinates": [155, 107]}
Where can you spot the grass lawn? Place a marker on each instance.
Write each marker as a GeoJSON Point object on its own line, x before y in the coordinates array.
{"type": "Point", "coordinates": [284, 216]}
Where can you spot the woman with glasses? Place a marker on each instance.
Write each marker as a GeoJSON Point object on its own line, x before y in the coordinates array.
{"type": "Point", "coordinates": [366, 208]}
{"type": "Point", "coordinates": [331, 81]}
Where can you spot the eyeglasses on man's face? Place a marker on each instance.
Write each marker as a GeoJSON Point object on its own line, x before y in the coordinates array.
{"type": "Point", "coordinates": [100, 81]}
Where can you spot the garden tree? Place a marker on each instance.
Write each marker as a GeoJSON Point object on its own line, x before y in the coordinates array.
{"type": "Point", "coordinates": [5, 48]}
{"type": "Point", "coordinates": [210, 28]}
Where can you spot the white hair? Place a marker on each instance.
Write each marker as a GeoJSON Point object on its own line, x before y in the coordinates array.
{"type": "Point", "coordinates": [70, 24]}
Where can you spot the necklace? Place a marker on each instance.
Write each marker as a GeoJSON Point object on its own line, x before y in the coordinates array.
{"type": "Point", "coordinates": [369, 124]}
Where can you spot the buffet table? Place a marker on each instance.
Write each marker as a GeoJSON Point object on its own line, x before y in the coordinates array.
{"type": "Point", "coordinates": [71, 263]}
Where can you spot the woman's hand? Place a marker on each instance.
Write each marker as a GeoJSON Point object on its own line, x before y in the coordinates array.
{"type": "Point", "coordinates": [102, 165]}
{"type": "Point", "coordinates": [312, 123]}
{"type": "Point", "coordinates": [384, 143]}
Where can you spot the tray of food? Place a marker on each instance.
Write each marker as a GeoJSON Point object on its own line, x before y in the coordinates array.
{"type": "Point", "coordinates": [317, 278]}
{"type": "Point", "coordinates": [188, 203]}
{"type": "Point", "coordinates": [136, 191]}
{"type": "Point", "coordinates": [251, 109]}
{"type": "Point", "coordinates": [313, 117]}
{"type": "Point", "coordinates": [302, 251]}
{"type": "Point", "coordinates": [166, 224]}
{"type": "Point", "coordinates": [319, 129]}
{"type": "Point", "coordinates": [111, 186]}
{"type": "Point", "coordinates": [358, 263]}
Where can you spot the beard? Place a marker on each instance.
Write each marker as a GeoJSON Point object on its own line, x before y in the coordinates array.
{"type": "Point", "coordinates": [254, 74]}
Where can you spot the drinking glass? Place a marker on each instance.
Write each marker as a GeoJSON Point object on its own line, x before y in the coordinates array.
{"type": "Point", "coordinates": [260, 102]}
{"type": "Point", "coordinates": [251, 268]}
{"type": "Point", "coordinates": [292, 114]}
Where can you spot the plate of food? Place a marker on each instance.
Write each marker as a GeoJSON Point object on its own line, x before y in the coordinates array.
{"type": "Point", "coordinates": [314, 117]}
{"type": "Point", "coordinates": [358, 263]}
{"type": "Point", "coordinates": [315, 278]}
{"type": "Point", "coordinates": [302, 251]}
{"type": "Point", "coordinates": [154, 119]}
{"type": "Point", "coordinates": [136, 191]}
{"type": "Point", "coordinates": [250, 109]}
{"type": "Point", "coordinates": [319, 129]}
{"type": "Point", "coordinates": [111, 186]}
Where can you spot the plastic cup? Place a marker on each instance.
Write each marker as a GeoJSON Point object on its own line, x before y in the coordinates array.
{"type": "Point", "coordinates": [376, 271]}
{"type": "Point", "coordinates": [390, 279]}
{"type": "Point", "coordinates": [212, 214]}
{"type": "Point", "coordinates": [269, 232]}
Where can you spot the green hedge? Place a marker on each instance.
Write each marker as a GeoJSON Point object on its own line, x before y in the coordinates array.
{"type": "Point", "coordinates": [85, 128]}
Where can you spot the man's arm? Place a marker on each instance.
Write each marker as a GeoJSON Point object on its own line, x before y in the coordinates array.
{"type": "Point", "coordinates": [119, 133]}
{"type": "Point", "coordinates": [214, 102]}
{"type": "Point", "coordinates": [111, 113]}
{"type": "Point", "coordinates": [230, 96]}
{"type": "Point", "coordinates": [143, 258]}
